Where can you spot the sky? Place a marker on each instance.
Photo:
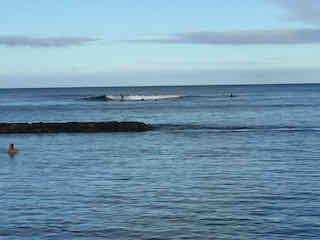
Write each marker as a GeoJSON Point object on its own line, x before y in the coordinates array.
{"type": "Point", "coordinates": [46, 43]}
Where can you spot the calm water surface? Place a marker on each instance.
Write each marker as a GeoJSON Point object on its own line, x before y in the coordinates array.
{"type": "Point", "coordinates": [214, 168]}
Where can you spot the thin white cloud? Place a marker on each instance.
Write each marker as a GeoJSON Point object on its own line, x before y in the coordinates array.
{"type": "Point", "coordinates": [278, 36]}
{"type": "Point", "coordinates": [43, 42]}
{"type": "Point", "coordinates": [164, 78]}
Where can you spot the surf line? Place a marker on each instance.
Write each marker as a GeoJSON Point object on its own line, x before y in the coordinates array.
{"type": "Point", "coordinates": [123, 97]}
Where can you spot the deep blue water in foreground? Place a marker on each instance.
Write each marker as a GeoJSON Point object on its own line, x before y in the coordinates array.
{"type": "Point", "coordinates": [216, 167]}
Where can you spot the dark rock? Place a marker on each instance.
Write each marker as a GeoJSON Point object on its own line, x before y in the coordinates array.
{"type": "Point", "coordinates": [68, 127]}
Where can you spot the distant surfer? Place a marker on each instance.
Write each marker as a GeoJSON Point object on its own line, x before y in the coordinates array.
{"type": "Point", "coordinates": [12, 151]}
{"type": "Point", "coordinates": [230, 95]}
{"type": "Point", "coordinates": [121, 97]}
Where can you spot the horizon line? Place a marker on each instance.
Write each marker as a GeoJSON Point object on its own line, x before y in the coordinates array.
{"type": "Point", "coordinates": [178, 85]}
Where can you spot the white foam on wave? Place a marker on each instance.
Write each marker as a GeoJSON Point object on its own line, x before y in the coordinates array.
{"type": "Point", "coordinates": [142, 98]}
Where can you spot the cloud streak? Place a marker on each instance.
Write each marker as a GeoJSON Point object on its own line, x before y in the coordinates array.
{"type": "Point", "coordinates": [47, 42]}
{"type": "Point", "coordinates": [306, 11]}
{"type": "Point", "coordinates": [279, 36]}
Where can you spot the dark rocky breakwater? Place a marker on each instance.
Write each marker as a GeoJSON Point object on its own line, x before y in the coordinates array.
{"type": "Point", "coordinates": [73, 127]}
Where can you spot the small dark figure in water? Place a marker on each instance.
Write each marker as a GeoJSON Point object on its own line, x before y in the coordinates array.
{"type": "Point", "coordinates": [122, 97]}
{"type": "Point", "coordinates": [230, 95]}
{"type": "Point", "coordinates": [12, 151]}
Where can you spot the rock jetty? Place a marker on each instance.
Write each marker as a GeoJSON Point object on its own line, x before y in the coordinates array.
{"type": "Point", "coordinates": [73, 127]}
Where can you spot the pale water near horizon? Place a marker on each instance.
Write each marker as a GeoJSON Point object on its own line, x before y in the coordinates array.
{"type": "Point", "coordinates": [215, 167]}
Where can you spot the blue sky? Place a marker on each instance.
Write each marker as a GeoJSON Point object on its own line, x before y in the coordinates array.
{"type": "Point", "coordinates": [168, 42]}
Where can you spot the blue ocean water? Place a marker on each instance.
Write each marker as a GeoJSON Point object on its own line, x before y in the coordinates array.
{"type": "Point", "coordinates": [215, 167]}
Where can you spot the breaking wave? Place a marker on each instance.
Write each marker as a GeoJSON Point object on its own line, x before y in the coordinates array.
{"type": "Point", "coordinates": [132, 98]}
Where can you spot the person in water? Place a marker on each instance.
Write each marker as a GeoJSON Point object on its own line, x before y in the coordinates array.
{"type": "Point", "coordinates": [122, 97]}
{"type": "Point", "coordinates": [230, 95]}
{"type": "Point", "coordinates": [12, 151]}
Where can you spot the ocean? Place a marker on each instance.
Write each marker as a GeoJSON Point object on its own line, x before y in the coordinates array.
{"type": "Point", "coordinates": [214, 167]}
